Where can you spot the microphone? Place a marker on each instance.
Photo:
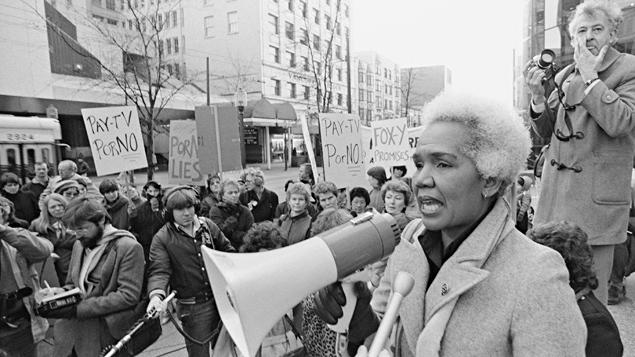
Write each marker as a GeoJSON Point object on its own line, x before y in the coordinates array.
{"type": "Point", "coordinates": [400, 288]}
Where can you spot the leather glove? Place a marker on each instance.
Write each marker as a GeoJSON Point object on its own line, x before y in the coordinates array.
{"type": "Point", "coordinates": [329, 302]}
{"type": "Point", "coordinates": [68, 312]}
{"type": "Point", "coordinates": [364, 321]}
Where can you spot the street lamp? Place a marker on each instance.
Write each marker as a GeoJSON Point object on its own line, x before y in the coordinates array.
{"type": "Point", "coordinates": [240, 100]}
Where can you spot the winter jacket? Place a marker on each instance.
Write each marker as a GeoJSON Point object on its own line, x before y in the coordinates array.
{"type": "Point", "coordinates": [295, 229]}
{"type": "Point", "coordinates": [118, 212]}
{"type": "Point", "coordinates": [176, 259]}
{"type": "Point", "coordinates": [265, 206]}
{"type": "Point", "coordinates": [113, 290]}
{"type": "Point", "coordinates": [233, 219]}
{"type": "Point", "coordinates": [63, 241]}
{"type": "Point", "coordinates": [146, 224]}
{"type": "Point", "coordinates": [25, 203]}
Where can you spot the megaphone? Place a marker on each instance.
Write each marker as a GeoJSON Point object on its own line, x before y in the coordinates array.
{"type": "Point", "coordinates": [254, 290]}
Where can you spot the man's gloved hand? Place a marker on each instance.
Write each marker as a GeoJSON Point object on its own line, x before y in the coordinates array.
{"type": "Point", "coordinates": [68, 312]}
{"type": "Point", "coordinates": [329, 302]}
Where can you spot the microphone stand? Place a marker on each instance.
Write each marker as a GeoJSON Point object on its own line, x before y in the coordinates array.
{"type": "Point", "coordinates": [149, 315]}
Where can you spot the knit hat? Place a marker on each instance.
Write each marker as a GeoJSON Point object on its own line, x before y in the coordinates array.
{"type": "Point", "coordinates": [379, 173]}
{"type": "Point", "coordinates": [64, 185]}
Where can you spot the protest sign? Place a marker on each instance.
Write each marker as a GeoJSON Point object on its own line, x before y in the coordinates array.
{"type": "Point", "coordinates": [412, 138]}
{"type": "Point", "coordinates": [115, 139]}
{"type": "Point", "coordinates": [183, 167]}
{"type": "Point", "coordinates": [342, 149]}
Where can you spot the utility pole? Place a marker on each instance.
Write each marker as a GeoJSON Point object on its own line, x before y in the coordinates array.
{"type": "Point", "coordinates": [349, 100]}
{"type": "Point", "coordinates": [207, 63]}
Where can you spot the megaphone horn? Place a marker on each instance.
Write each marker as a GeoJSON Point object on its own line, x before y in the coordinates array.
{"type": "Point", "coordinates": [254, 290]}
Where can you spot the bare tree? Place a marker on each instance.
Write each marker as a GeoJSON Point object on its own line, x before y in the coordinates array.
{"type": "Point", "coordinates": [141, 75]}
{"type": "Point", "coordinates": [407, 83]}
{"type": "Point", "coordinates": [322, 62]}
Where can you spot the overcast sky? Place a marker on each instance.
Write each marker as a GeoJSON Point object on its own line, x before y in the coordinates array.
{"type": "Point", "coordinates": [474, 38]}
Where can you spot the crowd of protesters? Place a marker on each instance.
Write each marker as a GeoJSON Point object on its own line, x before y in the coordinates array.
{"type": "Point", "coordinates": [490, 280]}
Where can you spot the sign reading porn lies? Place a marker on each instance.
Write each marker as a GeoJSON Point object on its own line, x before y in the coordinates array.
{"type": "Point", "coordinates": [342, 150]}
{"type": "Point", "coordinates": [115, 139]}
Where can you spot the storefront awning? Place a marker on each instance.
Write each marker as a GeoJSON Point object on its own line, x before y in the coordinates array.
{"type": "Point", "coordinates": [263, 113]}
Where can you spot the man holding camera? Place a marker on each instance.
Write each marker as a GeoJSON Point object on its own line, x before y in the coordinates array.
{"type": "Point", "coordinates": [20, 328]}
{"type": "Point", "coordinates": [589, 117]}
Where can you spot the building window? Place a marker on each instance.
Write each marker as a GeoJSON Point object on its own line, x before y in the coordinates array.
{"type": "Point", "coordinates": [316, 16]}
{"type": "Point", "coordinates": [340, 99]}
{"type": "Point", "coordinates": [160, 47]}
{"type": "Point", "coordinates": [168, 46]}
{"type": "Point", "coordinates": [360, 110]}
{"type": "Point", "coordinates": [276, 86]}
{"type": "Point", "coordinates": [361, 95]}
{"type": "Point", "coordinates": [159, 21]}
{"type": "Point", "coordinates": [290, 5]}
{"type": "Point", "coordinates": [273, 20]}
{"type": "Point", "coordinates": [370, 97]}
{"type": "Point", "coordinates": [339, 74]}
{"type": "Point", "coordinates": [360, 77]}
{"type": "Point", "coordinates": [289, 30]}
{"type": "Point", "coordinates": [291, 56]}
{"type": "Point", "coordinates": [175, 19]}
{"type": "Point", "coordinates": [318, 67]}
{"type": "Point", "coordinates": [307, 92]}
{"type": "Point", "coordinates": [110, 4]}
{"type": "Point", "coordinates": [96, 3]}
{"type": "Point", "coordinates": [304, 9]}
{"type": "Point", "coordinates": [338, 51]}
{"type": "Point", "coordinates": [369, 114]}
{"type": "Point", "coordinates": [338, 28]}
{"type": "Point", "coordinates": [209, 26]}
{"type": "Point", "coordinates": [327, 20]}
{"type": "Point", "coordinates": [232, 22]}
{"type": "Point", "coordinates": [111, 22]}
{"type": "Point", "coordinates": [169, 67]}
{"type": "Point", "coordinates": [304, 38]}
{"type": "Point", "coordinates": [275, 53]}
{"type": "Point", "coordinates": [176, 45]}
{"type": "Point", "coordinates": [177, 71]}
{"type": "Point", "coordinates": [316, 42]}
{"type": "Point", "coordinates": [305, 63]}
{"type": "Point", "coordinates": [292, 92]}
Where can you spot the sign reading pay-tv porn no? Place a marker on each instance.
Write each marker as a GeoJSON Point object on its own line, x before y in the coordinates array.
{"type": "Point", "coordinates": [115, 139]}
{"type": "Point", "coordinates": [390, 142]}
{"type": "Point", "coordinates": [184, 167]}
{"type": "Point", "coordinates": [342, 149]}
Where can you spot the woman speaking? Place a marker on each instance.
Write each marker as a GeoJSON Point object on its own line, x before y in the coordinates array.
{"type": "Point", "coordinates": [481, 288]}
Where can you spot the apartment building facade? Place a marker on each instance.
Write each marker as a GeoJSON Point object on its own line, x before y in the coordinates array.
{"type": "Point", "coordinates": [377, 80]}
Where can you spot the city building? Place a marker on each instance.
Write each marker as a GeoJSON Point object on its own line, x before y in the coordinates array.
{"type": "Point", "coordinates": [281, 51]}
{"type": "Point", "coordinates": [377, 94]}
{"type": "Point", "coordinates": [546, 27]}
{"type": "Point", "coordinates": [54, 65]}
{"type": "Point", "coordinates": [419, 85]}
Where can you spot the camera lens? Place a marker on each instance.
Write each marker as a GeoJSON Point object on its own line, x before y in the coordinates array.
{"type": "Point", "coordinates": [546, 58]}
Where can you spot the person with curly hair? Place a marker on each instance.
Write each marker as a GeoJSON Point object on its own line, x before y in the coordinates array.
{"type": "Point", "coordinates": [568, 239]}
{"type": "Point", "coordinates": [229, 215]}
{"type": "Point", "coordinates": [481, 287]}
{"type": "Point", "coordinates": [327, 194]}
{"type": "Point", "coordinates": [261, 202]}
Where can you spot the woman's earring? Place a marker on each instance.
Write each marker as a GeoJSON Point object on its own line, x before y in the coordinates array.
{"type": "Point", "coordinates": [484, 195]}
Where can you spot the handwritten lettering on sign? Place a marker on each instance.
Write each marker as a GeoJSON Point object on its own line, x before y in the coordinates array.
{"type": "Point", "coordinates": [115, 139]}
{"type": "Point", "coordinates": [184, 167]}
{"type": "Point", "coordinates": [390, 140]}
{"type": "Point", "coordinates": [342, 149]}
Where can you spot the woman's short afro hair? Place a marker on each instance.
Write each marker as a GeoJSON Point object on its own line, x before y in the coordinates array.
{"type": "Point", "coordinates": [499, 141]}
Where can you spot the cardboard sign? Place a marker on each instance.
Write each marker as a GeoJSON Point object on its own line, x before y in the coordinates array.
{"type": "Point", "coordinates": [115, 139]}
{"type": "Point", "coordinates": [309, 145]}
{"type": "Point", "coordinates": [412, 138]}
{"type": "Point", "coordinates": [183, 167]}
{"type": "Point", "coordinates": [342, 150]}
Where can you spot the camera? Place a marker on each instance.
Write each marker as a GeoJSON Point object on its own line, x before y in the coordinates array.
{"type": "Point", "coordinates": [545, 61]}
